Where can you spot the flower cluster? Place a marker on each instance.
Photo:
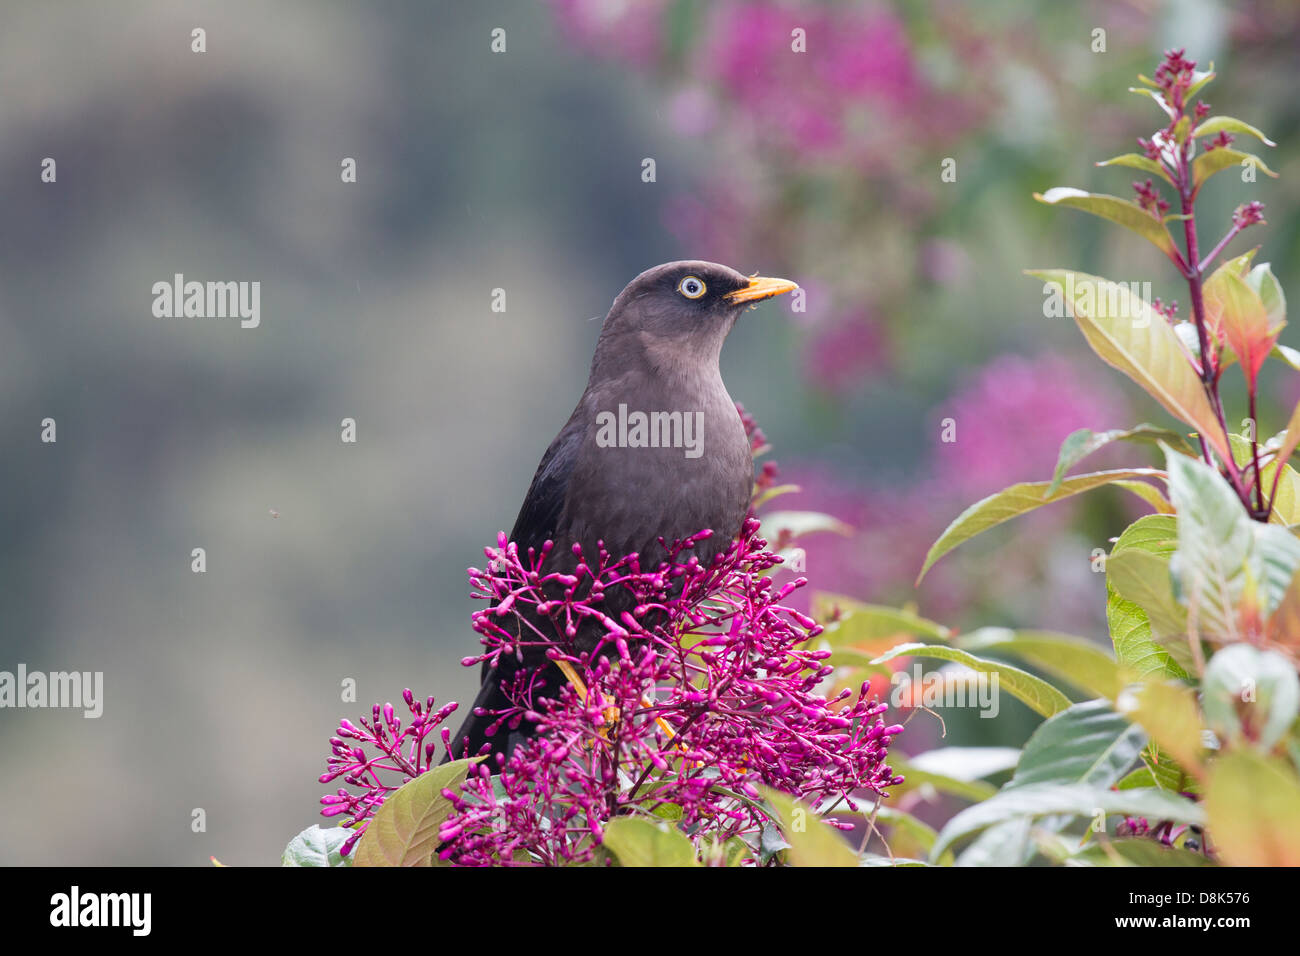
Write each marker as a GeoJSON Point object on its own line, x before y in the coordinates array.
{"type": "Point", "coordinates": [707, 690]}
{"type": "Point", "coordinates": [1149, 198]}
{"type": "Point", "coordinates": [1174, 76]}
{"type": "Point", "coordinates": [402, 753]}
{"type": "Point", "coordinates": [1165, 832]}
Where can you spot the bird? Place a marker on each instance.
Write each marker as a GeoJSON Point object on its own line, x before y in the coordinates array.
{"type": "Point", "coordinates": [654, 452]}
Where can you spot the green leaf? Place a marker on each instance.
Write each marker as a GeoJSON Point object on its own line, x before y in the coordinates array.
{"type": "Point", "coordinates": [1167, 773]}
{"type": "Point", "coordinates": [1158, 98]}
{"type": "Point", "coordinates": [860, 659]}
{"type": "Point", "coordinates": [1073, 659]}
{"type": "Point", "coordinates": [1082, 443]}
{"type": "Point", "coordinates": [1017, 500]}
{"type": "Point", "coordinates": [1199, 79]}
{"type": "Point", "coordinates": [1219, 124]}
{"type": "Point", "coordinates": [770, 842]}
{"type": "Point", "coordinates": [1284, 622]}
{"type": "Point", "coordinates": [1289, 355]}
{"type": "Point", "coordinates": [874, 628]}
{"type": "Point", "coordinates": [1233, 306]}
{"type": "Point", "coordinates": [1159, 769]}
{"type": "Point", "coordinates": [1138, 161]}
{"type": "Point", "coordinates": [1279, 480]}
{"type": "Point", "coordinates": [812, 842]}
{"type": "Point", "coordinates": [1138, 571]}
{"type": "Point", "coordinates": [404, 831]}
{"type": "Point", "coordinates": [1128, 334]}
{"type": "Point", "coordinates": [920, 833]}
{"type": "Point", "coordinates": [1230, 568]}
{"type": "Point", "coordinates": [1038, 694]}
{"type": "Point", "coordinates": [775, 492]}
{"type": "Point", "coordinates": [972, 790]}
{"type": "Point", "coordinates": [636, 841]}
{"type": "Point", "coordinates": [1137, 851]}
{"type": "Point", "coordinates": [1269, 290]}
{"type": "Point", "coordinates": [873, 859]}
{"type": "Point", "coordinates": [1154, 534]}
{"type": "Point", "coordinates": [1003, 844]}
{"type": "Point", "coordinates": [1167, 711]}
{"type": "Point", "coordinates": [735, 851]}
{"type": "Point", "coordinates": [1130, 634]}
{"type": "Point", "coordinates": [955, 770]}
{"type": "Point", "coordinates": [1119, 211]}
{"type": "Point", "coordinates": [1250, 696]}
{"type": "Point", "coordinates": [1140, 777]}
{"type": "Point", "coordinates": [1290, 441]}
{"type": "Point", "coordinates": [1148, 493]}
{"type": "Point", "coordinates": [1088, 743]}
{"type": "Point", "coordinates": [798, 524]}
{"type": "Point", "coordinates": [317, 846]}
{"type": "Point", "coordinates": [1253, 803]}
{"type": "Point", "coordinates": [671, 812]}
{"type": "Point", "coordinates": [1214, 543]}
{"type": "Point", "coordinates": [1207, 164]}
{"type": "Point", "coordinates": [1144, 578]}
{"type": "Point", "coordinates": [1075, 800]}
{"type": "Point", "coordinates": [965, 763]}
{"type": "Point", "coordinates": [1286, 500]}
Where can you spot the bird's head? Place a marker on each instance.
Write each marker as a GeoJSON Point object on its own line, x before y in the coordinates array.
{"type": "Point", "coordinates": [685, 309]}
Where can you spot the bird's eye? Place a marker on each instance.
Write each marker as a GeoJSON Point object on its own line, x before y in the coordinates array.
{"type": "Point", "coordinates": [691, 287]}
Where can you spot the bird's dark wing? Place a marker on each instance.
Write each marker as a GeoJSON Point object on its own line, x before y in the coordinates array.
{"type": "Point", "coordinates": [539, 516]}
{"type": "Point", "coordinates": [538, 522]}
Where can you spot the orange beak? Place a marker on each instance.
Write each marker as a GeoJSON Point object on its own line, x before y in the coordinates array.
{"type": "Point", "coordinates": [760, 288]}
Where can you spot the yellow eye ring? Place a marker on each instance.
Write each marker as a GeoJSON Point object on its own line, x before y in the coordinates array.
{"type": "Point", "coordinates": [692, 287]}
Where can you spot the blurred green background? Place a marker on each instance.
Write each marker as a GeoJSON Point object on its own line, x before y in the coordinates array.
{"type": "Point", "coordinates": [522, 170]}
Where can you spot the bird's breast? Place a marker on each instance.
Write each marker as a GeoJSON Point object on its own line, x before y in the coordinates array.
{"type": "Point", "coordinates": [659, 466]}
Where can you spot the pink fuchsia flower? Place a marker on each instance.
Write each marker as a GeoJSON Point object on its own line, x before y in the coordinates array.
{"type": "Point", "coordinates": [706, 691]}
{"type": "Point", "coordinates": [402, 753]}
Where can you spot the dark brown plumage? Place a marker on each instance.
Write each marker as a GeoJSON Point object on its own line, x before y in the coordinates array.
{"type": "Point", "coordinates": [657, 353]}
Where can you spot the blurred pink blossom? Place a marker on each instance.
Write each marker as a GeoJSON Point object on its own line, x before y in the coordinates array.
{"type": "Point", "coordinates": [840, 356]}
{"type": "Point", "coordinates": [692, 111]}
{"type": "Point", "coordinates": [858, 66]}
{"type": "Point", "coordinates": [1011, 418]}
{"type": "Point", "coordinates": [944, 261]}
{"type": "Point", "coordinates": [629, 30]}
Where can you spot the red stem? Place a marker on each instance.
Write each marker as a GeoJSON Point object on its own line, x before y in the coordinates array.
{"type": "Point", "coordinates": [1209, 375]}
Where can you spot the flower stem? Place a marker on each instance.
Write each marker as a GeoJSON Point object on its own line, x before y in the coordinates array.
{"type": "Point", "coordinates": [1195, 286]}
